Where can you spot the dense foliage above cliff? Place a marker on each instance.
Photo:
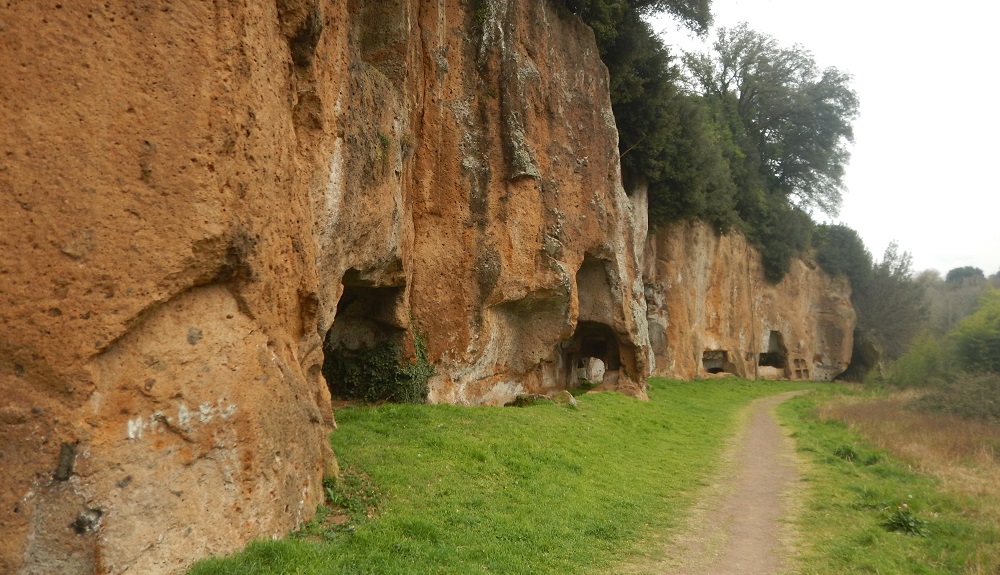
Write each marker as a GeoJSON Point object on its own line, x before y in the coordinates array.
{"type": "Point", "coordinates": [606, 17]}
{"type": "Point", "coordinates": [749, 138]}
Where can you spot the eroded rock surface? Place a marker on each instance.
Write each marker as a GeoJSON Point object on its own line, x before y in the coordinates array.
{"type": "Point", "coordinates": [159, 286]}
{"type": "Point", "coordinates": [523, 258]}
{"type": "Point", "coordinates": [195, 196]}
{"type": "Point", "coordinates": [711, 311]}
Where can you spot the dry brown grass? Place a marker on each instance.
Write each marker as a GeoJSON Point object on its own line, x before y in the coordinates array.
{"type": "Point", "coordinates": [964, 455]}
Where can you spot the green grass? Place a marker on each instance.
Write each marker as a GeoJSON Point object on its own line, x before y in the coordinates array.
{"type": "Point", "coordinates": [543, 489]}
{"type": "Point", "coordinates": [552, 489]}
{"type": "Point", "coordinates": [867, 512]}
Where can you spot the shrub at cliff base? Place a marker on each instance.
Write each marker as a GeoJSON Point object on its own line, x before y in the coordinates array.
{"type": "Point", "coordinates": [925, 363]}
{"type": "Point", "coordinates": [968, 395]}
{"type": "Point", "coordinates": [378, 373]}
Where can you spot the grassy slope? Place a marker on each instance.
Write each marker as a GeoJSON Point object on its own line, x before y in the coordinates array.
{"type": "Point", "coordinates": [550, 489]}
{"type": "Point", "coordinates": [544, 489]}
{"type": "Point", "coordinates": [855, 490]}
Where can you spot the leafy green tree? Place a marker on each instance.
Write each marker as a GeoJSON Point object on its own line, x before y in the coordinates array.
{"type": "Point", "coordinates": [925, 362]}
{"type": "Point", "coordinates": [795, 116]}
{"type": "Point", "coordinates": [695, 14]}
{"type": "Point", "coordinates": [950, 301]}
{"type": "Point", "coordinates": [891, 306]}
{"type": "Point", "coordinates": [977, 337]}
{"type": "Point", "coordinates": [840, 251]}
{"type": "Point", "coordinates": [761, 144]}
{"type": "Point", "coordinates": [696, 179]}
{"type": "Point", "coordinates": [965, 273]}
{"type": "Point", "coordinates": [644, 98]}
{"type": "Point", "coordinates": [605, 17]}
{"type": "Point", "coordinates": [668, 140]}
{"type": "Point", "coordinates": [780, 232]}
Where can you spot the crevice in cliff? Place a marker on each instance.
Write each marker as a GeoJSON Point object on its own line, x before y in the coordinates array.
{"type": "Point", "coordinates": [302, 24]}
{"type": "Point", "coordinates": [305, 19]}
{"type": "Point", "coordinates": [865, 356]}
{"type": "Point", "coordinates": [382, 35]}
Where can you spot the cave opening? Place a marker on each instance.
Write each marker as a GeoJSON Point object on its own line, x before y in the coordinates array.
{"type": "Point", "coordinates": [364, 343]}
{"type": "Point", "coordinates": [776, 355]}
{"type": "Point", "coordinates": [592, 354]}
{"type": "Point", "coordinates": [716, 361]}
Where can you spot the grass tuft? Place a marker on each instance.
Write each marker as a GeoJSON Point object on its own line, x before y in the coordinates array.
{"type": "Point", "coordinates": [904, 520]}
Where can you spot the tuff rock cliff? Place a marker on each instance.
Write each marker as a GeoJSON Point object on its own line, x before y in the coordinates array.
{"type": "Point", "coordinates": [195, 196]}
{"type": "Point", "coordinates": [710, 311]}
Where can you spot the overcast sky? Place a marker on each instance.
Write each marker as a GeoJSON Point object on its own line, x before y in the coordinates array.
{"type": "Point", "coordinates": [926, 154]}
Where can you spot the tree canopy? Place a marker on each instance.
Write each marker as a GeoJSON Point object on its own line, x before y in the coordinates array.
{"type": "Point", "coordinates": [605, 16]}
{"type": "Point", "coordinates": [964, 273]}
{"type": "Point", "coordinates": [890, 305]}
{"type": "Point", "coordinates": [977, 337]}
{"type": "Point", "coordinates": [840, 251]}
{"type": "Point", "coordinates": [795, 116]}
{"type": "Point", "coordinates": [754, 139]}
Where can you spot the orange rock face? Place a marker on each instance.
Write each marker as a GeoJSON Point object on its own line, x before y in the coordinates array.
{"type": "Point", "coordinates": [522, 261]}
{"type": "Point", "coordinates": [195, 196]}
{"type": "Point", "coordinates": [158, 287]}
{"type": "Point", "coordinates": [711, 311]}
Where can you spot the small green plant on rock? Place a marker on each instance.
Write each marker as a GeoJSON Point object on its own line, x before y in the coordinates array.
{"type": "Point", "coordinates": [384, 141]}
{"type": "Point", "coordinates": [418, 372]}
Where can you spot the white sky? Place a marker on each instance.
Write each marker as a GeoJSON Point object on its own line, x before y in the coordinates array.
{"type": "Point", "coordinates": [926, 154]}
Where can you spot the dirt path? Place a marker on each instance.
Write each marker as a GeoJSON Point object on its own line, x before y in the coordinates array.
{"type": "Point", "coordinates": [740, 523]}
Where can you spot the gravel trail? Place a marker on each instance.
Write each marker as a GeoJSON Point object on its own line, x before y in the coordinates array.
{"type": "Point", "coordinates": [740, 525]}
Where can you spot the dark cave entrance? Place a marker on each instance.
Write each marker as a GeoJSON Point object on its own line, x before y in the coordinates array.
{"type": "Point", "coordinates": [716, 361]}
{"type": "Point", "coordinates": [865, 356]}
{"type": "Point", "coordinates": [777, 354]}
{"type": "Point", "coordinates": [592, 350]}
{"type": "Point", "coordinates": [365, 341]}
